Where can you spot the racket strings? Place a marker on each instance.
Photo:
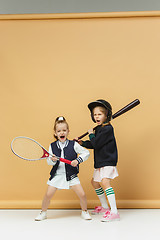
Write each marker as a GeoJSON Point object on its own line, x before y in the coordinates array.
{"type": "Point", "coordinates": [27, 149]}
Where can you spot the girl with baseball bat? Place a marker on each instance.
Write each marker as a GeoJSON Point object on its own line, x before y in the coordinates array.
{"type": "Point", "coordinates": [105, 158]}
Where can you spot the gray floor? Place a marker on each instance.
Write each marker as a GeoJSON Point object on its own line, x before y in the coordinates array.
{"type": "Point", "coordinates": [67, 224]}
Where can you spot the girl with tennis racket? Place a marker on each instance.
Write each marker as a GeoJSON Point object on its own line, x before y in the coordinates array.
{"type": "Point", "coordinates": [105, 158]}
{"type": "Point", "coordinates": [62, 175]}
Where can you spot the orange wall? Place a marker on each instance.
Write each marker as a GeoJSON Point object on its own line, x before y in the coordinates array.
{"type": "Point", "coordinates": [56, 66]}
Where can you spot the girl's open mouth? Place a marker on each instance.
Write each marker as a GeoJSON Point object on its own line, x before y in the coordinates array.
{"type": "Point", "coordinates": [62, 137]}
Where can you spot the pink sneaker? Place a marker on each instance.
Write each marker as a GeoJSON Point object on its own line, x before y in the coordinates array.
{"type": "Point", "coordinates": [108, 217]}
{"type": "Point", "coordinates": [99, 210]}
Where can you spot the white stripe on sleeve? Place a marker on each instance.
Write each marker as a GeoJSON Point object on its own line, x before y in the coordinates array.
{"type": "Point", "coordinates": [82, 152]}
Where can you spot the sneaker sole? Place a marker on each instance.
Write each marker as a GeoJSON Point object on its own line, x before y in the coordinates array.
{"type": "Point", "coordinates": [87, 219]}
{"type": "Point", "coordinates": [40, 219]}
{"type": "Point", "coordinates": [111, 220]}
{"type": "Point", "coordinates": [100, 213]}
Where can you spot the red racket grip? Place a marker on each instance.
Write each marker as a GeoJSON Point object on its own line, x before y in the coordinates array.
{"type": "Point", "coordinates": [65, 161]}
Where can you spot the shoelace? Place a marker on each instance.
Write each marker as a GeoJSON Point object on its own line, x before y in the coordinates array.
{"type": "Point", "coordinates": [107, 213]}
{"type": "Point", "coordinates": [98, 208]}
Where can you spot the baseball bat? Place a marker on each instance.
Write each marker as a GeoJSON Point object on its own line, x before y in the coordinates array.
{"type": "Point", "coordinates": [117, 114]}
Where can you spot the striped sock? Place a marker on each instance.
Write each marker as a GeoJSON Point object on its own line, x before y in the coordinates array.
{"type": "Point", "coordinates": [102, 197]}
{"type": "Point", "coordinates": [111, 199]}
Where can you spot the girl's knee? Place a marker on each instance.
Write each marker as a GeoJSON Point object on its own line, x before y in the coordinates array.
{"type": "Point", "coordinates": [50, 192]}
{"type": "Point", "coordinates": [106, 182]}
{"type": "Point", "coordinates": [82, 195]}
{"type": "Point", "coordinates": [92, 182]}
{"type": "Point", "coordinates": [95, 184]}
{"type": "Point", "coordinates": [48, 196]}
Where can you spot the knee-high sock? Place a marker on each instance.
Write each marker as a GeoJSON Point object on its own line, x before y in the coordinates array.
{"type": "Point", "coordinates": [111, 199]}
{"type": "Point", "coordinates": [102, 197]}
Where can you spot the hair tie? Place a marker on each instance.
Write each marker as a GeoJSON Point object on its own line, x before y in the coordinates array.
{"type": "Point", "coordinates": [61, 119]}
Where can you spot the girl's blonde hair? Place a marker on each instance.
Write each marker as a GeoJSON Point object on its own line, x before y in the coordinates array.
{"type": "Point", "coordinates": [59, 120]}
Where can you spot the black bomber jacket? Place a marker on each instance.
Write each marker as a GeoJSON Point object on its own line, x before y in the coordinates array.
{"type": "Point", "coordinates": [104, 144]}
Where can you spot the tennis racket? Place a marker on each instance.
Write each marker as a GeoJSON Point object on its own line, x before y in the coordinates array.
{"type": "Point", "coordinates": [29, 149]}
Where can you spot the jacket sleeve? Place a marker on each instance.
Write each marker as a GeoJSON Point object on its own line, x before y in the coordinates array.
{"type": "Point", "coordinates": [87, 144]}
{"type": "Point", "coordinates": [49, 160]}
{"type": "Point", "coordinates": [103, 136]}
{"type": "Point", "coordinates": [82, 152]}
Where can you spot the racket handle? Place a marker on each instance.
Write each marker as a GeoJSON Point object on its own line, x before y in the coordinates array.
{"type": "Point", "coordinates": [65, 161]}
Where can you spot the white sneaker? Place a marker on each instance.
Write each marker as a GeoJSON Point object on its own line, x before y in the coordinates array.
{"type": "Point", "coordinates": [85, 215]}
{"type": "Point", "coordinates": [41, 216]}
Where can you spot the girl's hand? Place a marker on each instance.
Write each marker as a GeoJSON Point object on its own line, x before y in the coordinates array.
{"type": "Point", "coordinates": [90, 131]}
{"type": "Point", "coordinates": [74, 163]}
{"type": "Point", "coordinates": [78, 140]}
{"type": "Point", "coordinates": [54, 158]}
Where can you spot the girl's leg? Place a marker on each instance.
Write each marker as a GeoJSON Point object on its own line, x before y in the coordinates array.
{"type": "Point", "coordinates": [45, 203]}
{"type": "Point", "coordinates": [101, 195]}
{"type": "Point", "coordinates": [96, 185]}
{"type": "Point", "coordinates": [83, 201]}
{"type": "Point", "coordinates": [81, 194]}
{"type": "Point", "coordinates": [110, 194]}
{"type": "Point", "coordinates": [47, 198]}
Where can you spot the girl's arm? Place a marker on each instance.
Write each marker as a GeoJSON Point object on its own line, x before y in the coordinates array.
{"type": "Point", "coordinates": [83, 153]}
{"type": "Point", "coordinates": [87, 144]}
{"type": "Point", "coordinates": [49, 159]}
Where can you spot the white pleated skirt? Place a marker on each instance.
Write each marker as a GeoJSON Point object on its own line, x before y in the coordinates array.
{"type": "Point", "coordinates": [59, 181]}
{"type": "Point", "coordinates": [105, 172]}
